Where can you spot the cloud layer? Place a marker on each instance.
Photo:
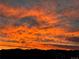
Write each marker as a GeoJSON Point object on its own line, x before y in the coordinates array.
{"type": "Point", "coordinates": [41, 24]}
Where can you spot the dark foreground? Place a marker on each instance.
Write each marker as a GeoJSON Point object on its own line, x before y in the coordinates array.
{"type": "Point", "coordinates": [50, 54]}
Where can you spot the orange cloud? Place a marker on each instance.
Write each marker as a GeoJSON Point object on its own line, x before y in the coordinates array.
{"type": "Point", "coordinates": [29, 35]}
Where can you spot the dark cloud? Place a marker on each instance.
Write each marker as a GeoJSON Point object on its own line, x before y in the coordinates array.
{"type": "Point", "coordinates": [73, 39]}
{"type": "Point", "coordinates": [26, 3]}
{"type": "Point", "coordinates": [70, 23]}
{"type": "Point", "coordinates": [16, 2]}
{"type": "Point", "coordinates": [66, 4]}
{"type": "Point", "coordinates": [66, 46]}
{"type": "Point", "coordinates": [74, 25]}
{"type": "Point", "coordinates": [29, 21]}
{"type": "Point", "coordinates": [6, 21]}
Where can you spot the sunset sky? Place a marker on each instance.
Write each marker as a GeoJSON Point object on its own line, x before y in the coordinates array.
{"type": "Point", "coordinates": [39, 24]}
